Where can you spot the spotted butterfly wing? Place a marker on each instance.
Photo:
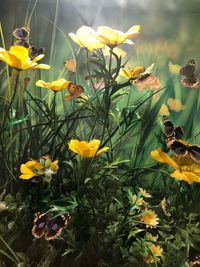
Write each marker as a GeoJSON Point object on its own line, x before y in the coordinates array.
{"type": "Point", "coordinates": [39, 224]}
{"type": "Point", "coordinates": [55, 226]}
{"type": "Point", "coordinates": [178, 132]}
{"type": "Point", "coordinates": [189, 78]}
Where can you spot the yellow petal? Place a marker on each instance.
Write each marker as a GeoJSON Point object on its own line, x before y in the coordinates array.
{"type": "Point", "coordinates": [10, 59]}
{"type": "Point", "coordinates": [188, 177]}
{"type": "Point", "coordinates": [175, 104]}
{"type": "Point", "coordinates": [174, 68]}
{"type": "Point", "coordinates": [42, 66]}
{"type": "Point", "coordinates": [104, 149]}
{"type": "Point", "coordinates": [159, 155]}
{"type": "Point", "coordinates": [27, 173]}
{"type": "Point", "coordinates": [164, 111]}
{"type": "Point", "coordinates": [20, 52]}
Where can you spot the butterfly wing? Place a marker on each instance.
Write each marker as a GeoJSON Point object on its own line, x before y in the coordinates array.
{"type": "Point", "coordinates": [21, 33]}
{"type": "Point", "coordinates": [55, 226]}
{"type": "Point", "coordinates": [168, 127]}
{"type": "Point", "coordinates": [39, 224]}
{"type": "Point", "coordinates": [178, 132]}
{"type": "Point", "coordinates": [191, 82]}
{"type": "Point", "coordinates": [194, 153]}
{"type": "Point", "coordinates": [189, 69]}
{"type": "Point", "coordinates": [178, 149]}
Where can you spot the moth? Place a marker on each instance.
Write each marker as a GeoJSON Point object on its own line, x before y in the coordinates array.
{"type": "Point", "coordinates": [188, 76]}
{"type": "Point", "coordinates": [146, 79]}
{"type": "Point", "coordinates": [50, 228]}
{"type": "Point", "coordinates": [22, 36]}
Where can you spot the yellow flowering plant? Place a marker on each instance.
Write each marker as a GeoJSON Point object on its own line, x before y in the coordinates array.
{"type": "Point", "coordinates": [18, 57]}
{"type": "Point", "coordinates": [186, 169]}
{"type": "Point", "coordinates": [87, 149]}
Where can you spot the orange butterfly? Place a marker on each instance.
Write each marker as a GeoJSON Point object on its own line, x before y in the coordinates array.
{"type": "Point", "coordinates": [74, 90]}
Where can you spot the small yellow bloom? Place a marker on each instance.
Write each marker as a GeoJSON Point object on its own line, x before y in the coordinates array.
{"type": "Point", "coordinates": [185, 168]}
{"type": "Point", "coordinates": [139, 202]}
{"type": "Point", "coordinates": [112, 38]}
{"type": "Point", "coordinates": [156, 250]}
{"type": "Point", "coordinates": [174, 68]}
{"type": "Point", "coordinates": [129, 73]}
{"type": "Point", "coordinates": [150, 218]}
{"type": "Point", "coordinates": [164, 111]}
{"type": "Point", "coordinates": [29, 169]}
{"type": "Point", "coordinates": [85, 38]}
{"type": "Point", "coordinates": [55, 86]}
{"type": "Point", "coordinates": [144, 193]}
{"type": "Point", "coordinates": [87, 149]}
{"type": "Point", "coordinates": [18, 58]}
{"type": "Point", "coordinates": [175, 105]}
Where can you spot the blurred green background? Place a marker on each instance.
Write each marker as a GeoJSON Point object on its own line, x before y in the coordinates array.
{"type": "Point", "coordinates": [170, 32]}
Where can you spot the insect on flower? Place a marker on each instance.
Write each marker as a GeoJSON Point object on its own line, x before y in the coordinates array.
{"type": "Point", "coordinates": [34, 51]}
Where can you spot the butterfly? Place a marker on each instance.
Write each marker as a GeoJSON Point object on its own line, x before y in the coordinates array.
{"type": "Point", "coordinates": [146, 79]}
{"type": "Point", "coordinates": [171, 132]}
{"type": "Point", "coordinates": [74, 91]}
{"type": "Point", "coordinates": [34, 51]}
{"type": "Point", "coordinates": [189, 78]}
{"type": "Point", "coordinates": [22, 36]}
{"type": "Point", "coordinates": [180, 149]}
{"type": "Point", "coordinates": [48, 227]}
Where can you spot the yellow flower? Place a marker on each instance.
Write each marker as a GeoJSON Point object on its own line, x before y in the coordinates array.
{"type": "Point", "coordinates": [87, 149]}
{"type": "Point", "coordinates": [174, 68]}
{"type": "Point", "coordinates": [112, 38]}
{"type": "Point", "coordinates": [164, 111]}
{"type": "Point", "coordinates": [185, 168]}
{"type": "Point", "coordinates": [18, 58]}
{"type": "Point", "coordinates": [54, 165]}
{"type": "Point", "coordinates": [175, 105]}
{"type": "Point", "coordinates": [156, 250]}
{"type": "Point", "coordinates": [55, 86]}
{"type": "Point", "coordinates": [29, 169]}
{"type": "Point", "coordinates": [144, 193]}
{"type": "Point", "coordinates": [85, 38]}
{"type": "Point", "coordinates": [131, 72]}
{"type": "Point", "coordinates": [150, 218]}
{"type": "Point", "coordinates": [139, 202]}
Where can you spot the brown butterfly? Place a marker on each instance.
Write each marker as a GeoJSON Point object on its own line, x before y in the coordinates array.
{"type": "Point", "coordinates": [22, 36]}
{"type": "Point", "coordinates": [50, 228]}
{"type": "Point", "coordinates": [171, 132]}
{"type": "Point", "coordinates": [74, 90]}
{"type": "Point", "coordinates": [181, 150]}
{"type": "Point", "coordinates": [189, 78]}
{"type": "Point", "coordinates": [34, 51]}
